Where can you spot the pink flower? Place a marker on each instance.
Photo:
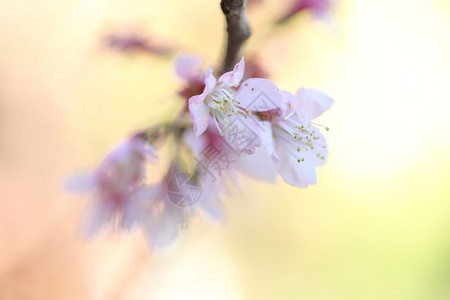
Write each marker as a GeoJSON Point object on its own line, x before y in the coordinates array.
{"type": "Point", "coordinates": [217, 99]}
{"type": "Point", "coordinates": [164, 209]}
{"type": "Point", "coordinates": [213, 183]}
{"type": "Point", "coordinates": [115, 182]}
{"type": "Point", "coordinates": [228, 99]}
{"type": "Point", "coordinates": [294, 142]}
{"type": "Point", "coordinates": [159, 218]}
{"type": "Point", "coordinates": [300, 145]}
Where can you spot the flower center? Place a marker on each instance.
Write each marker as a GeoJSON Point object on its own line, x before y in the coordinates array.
{"type": "Point", "coordinates": [222, 105]}
{"type": "Point", "coordinates": [301, 139]}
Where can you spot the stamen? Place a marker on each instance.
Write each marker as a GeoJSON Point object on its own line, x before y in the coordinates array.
{"type": "Point", "coordinates": [217, 125]}
{"type": "Point", "coordinates": [299, 137]}
{"type": "Point", "coordinates": [318, 125]}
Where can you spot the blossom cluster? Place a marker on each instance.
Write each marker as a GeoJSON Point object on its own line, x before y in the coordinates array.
{"type": "Point", "coordinates": [227, 126]}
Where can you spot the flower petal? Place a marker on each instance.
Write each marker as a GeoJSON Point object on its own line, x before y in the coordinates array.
{"type": "Point", "coordinates": [188, 67]}
{"type": "Point", "coordinates": [258, 165]}
{"type": "Point", "coordinates": [209, 200]}
{"type": "Point", "coordinates": [98, 214]}
{"type": "Point", "coordinates": [214, 208]}
{"type": "Point", "coordinates": [258, 94]}
{"type": "Point", "coordinates": [135, 210]}
{"type": "Point", "coordinates": [320, 150]}
{"type": "Point", "coordinates": [265, 136]}
{"type": "Point", "coordinates": [300, 174]}
{"type": "Point", "coordinates": [287, 103]}
{"type": "Point", "coordinates": [199, 114]}
{"type": "Point", "coordinates": [311, 103]}
{"type": "Point", "coordinates": [210, 82]}
{"type": "Point", "coordinates": [242, 134]}
{"type": "Point", "coordinates": [162, 228]}
{"type": "Point", "coordinates": [197, 108]}
{"type": "Point", "coordinates": [80, 183]}
{"type": "Point", "coordinates": [196, 144]}
{"type": "Point", "coordinates": [234, 77]}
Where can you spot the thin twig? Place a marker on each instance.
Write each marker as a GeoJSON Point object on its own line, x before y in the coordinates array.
{"type": "Point", "coordinates": [237, 28]}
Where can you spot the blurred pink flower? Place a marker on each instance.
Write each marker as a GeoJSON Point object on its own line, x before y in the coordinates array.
{"type": "Point", "coordinates": [136, 42]}
{"type": "Point", "coordinates": [189, 68]}
{"type": "Point", "coordinates": [115, 182]}
{"type": "Point", "coordinates": [160, 219]}
{"type": "Point", "coordinates": [319, 8]}
{"type": "Point", "coordinates": [227, 112]}
{"type": "Point", "coordinates": [164, 209]}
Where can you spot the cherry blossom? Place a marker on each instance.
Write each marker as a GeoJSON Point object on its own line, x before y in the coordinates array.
{"type": "Point", "coordinates": [295, 143]}
{"type": "Point", "coordinates": [115, 182]}
{"type": "Point", "coordinates": [217, 100]}
{"type": "Point", "coordinates": [238, 123]}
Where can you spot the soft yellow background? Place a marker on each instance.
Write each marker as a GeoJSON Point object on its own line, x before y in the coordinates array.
{"type": "Point", "coordinates": [376, 226]}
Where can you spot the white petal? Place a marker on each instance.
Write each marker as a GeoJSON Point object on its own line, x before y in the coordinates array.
{"type": "Point", "coordinates": [259, 165]}
{"type": "Point", "coordinates": [312, 103]}
{"type": "Point", "coordinates": [163, 228]}
{"type": "Point", "coordinates": [266, 137]}
{"type": "Point", "coordinates": [258, 94]}
{"type": "Point", "coordinates": [233, 78]}
{"type": "Point", "coordinates": [210, 203]}
{"type": "Point", "coordinates": [300, 174]}
{"type": "Point", "coordinates": [199, 113]}
{"type": "Point", "coordinates": [319, 145]}
{"type": "Point", "coordinates": [210, 82]}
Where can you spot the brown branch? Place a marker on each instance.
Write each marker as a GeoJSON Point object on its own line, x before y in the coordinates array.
{"type": "Point", "coordinates": [237, 28]}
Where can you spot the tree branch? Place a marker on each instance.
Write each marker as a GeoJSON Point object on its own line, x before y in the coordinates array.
{"type": "Point", "coordinates": [237, 28]}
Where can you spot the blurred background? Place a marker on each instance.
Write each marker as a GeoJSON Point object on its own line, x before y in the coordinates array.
{"type": "Point", "coordinates": [375, 227]}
